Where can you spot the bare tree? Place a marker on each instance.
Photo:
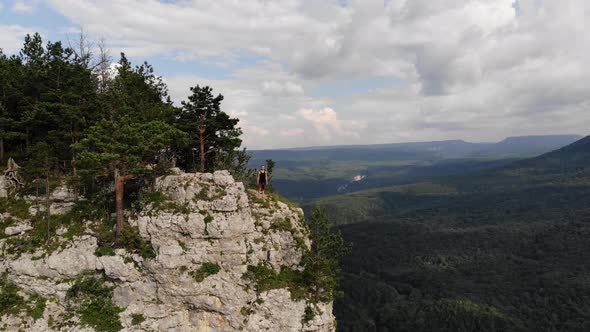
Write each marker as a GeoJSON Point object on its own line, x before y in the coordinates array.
{"type": "Point", "coordinates": [82, 49]}
{"type": "Point", "coordinates": [103, 66]}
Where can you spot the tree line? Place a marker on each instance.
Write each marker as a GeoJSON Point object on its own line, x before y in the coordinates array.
{"type": "Point", "coordinates": [66, 113]}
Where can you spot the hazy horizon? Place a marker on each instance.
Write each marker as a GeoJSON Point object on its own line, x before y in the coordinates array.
{"type": "Point", "coordinates": [409, 142]}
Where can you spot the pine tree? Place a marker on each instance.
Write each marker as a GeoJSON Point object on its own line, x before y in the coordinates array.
{"type": "Point", "coordinates": [47, 96]}
{"type": "Point", "coordinates": [211, 130]}
{"type": "Point", "coordinates": [124, 149]}
{"type": "Point", "coordinates": [321, 260]}
{"type": "Point", "coordinates": [11, 134]}
{"type": "Point", "coordinates": [135, 132]}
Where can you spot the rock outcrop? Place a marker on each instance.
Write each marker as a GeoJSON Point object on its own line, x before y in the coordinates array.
{"type": "Point", "coordinates": [207, 237]}
{"type": "Point", "coordinates": [62, 199]}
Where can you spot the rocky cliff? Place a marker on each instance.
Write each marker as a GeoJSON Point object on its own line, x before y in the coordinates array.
{"type": "Point", "coordinates": [215, 257]}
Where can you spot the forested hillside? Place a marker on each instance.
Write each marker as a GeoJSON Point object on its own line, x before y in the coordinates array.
{"type": "Point", "coordinates": [305, 174]}
{"type": "Point", "coordinates": [500, 250]}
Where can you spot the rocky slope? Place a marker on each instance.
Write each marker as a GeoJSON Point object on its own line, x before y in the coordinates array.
{"type": "Point", "coordinates": [218, 253]}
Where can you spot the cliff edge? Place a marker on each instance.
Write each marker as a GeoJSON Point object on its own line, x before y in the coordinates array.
{"type": "Point", "coordinates": [214, 257]}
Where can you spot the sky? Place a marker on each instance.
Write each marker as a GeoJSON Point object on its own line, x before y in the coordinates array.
{"type": "Point", "coordinates": [325, 72]}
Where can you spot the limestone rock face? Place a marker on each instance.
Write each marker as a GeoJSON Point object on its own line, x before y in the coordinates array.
{"type": "Point", "coordinates": [18, 229]}
{"type": "Point", "coordinates": [62, 200]}
{"type": "Point", "coordinates": [213, 221]}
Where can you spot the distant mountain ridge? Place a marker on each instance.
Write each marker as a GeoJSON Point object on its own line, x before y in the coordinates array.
{"type": "Point", "coordinates": [524, 146]}
{"type": "Point", "coordinates": [570, 158]}
{"type": "Point", "coordinates": [304, 174]}
{"type": "Point", "coordinates": [580, 147]}
{"type": "Point", "coordinates": [511, 146]}
{"type": "Point", "coordinates": [562, 168]}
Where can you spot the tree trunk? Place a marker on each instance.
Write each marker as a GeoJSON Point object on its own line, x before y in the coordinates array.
{"type": "Point", "coordinates": [1, 148]}
{"type": "Point", "coordinates": [74, 170]}
{"type": "Point", "coordinates": [119, 191]}
{"type": "Point", "coordinates": [202, 146]}
{"type": "Point", "coordinates": [47, 206]}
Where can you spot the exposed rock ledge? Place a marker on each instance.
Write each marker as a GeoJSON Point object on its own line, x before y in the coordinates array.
{"type": "Point", "coordinates": [224, 226]}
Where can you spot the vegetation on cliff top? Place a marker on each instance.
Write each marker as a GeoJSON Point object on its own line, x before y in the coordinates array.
{"type": "Point", "coordinates": [66, 115]}
{"type": "Point", "coordinates": [68, 120]}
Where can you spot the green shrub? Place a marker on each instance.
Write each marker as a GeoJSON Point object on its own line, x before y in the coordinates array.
{"type": "Point", "coordinates": [203, 194]}
{"type": "Point", "coordinates": [133, 242]}
{"type": "Point", "coordinates": [278, 198]}
{"type": "Point", "coordinates": [10, 301]}
{"type": "Point", "coordinates": [157, 199]}
{"type": "Point", "coordinates": [246, 311]}
{"type": "Point", "coordinates": [219, 193]}
{"type": "Point", "coordinates": [265, 278]}
{"type": "Point", "coordinates": [137, 319]}
{"type": "Point", "coordinates": [33, 239]}
{"type": "Point", "coordinates": [204, 271]}
{"type": "Point", "coordinates": [5, 223]}
{"type": "Point", "coordinates": [308, 315]}
{"type": "Point", "coordinates": [254, 198]}
{"type": "Point", "coordinates": [161, 202]}
{"type": "Point", "coordinates": [130, 240]}
{"type": "Point", "coordinates": [43, 234]}
{"type": "Point", "coordinates": [104, 250]}
{"type": "Point", "coordinates": [74, 230]}
{"type": "Point", "coordinates": [282, 225]}
{"type": "Point", "coordinates": [17, 207]}
{"type": "Point", "coordinates": [92, 300]}
{"type": "Point", "coordinates": [37, 311]}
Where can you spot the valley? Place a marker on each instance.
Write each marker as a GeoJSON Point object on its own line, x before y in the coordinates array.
{"type": "Point", "coordinates": [496, 245]}
{"type": "Point", "coordinates": [306, 174]}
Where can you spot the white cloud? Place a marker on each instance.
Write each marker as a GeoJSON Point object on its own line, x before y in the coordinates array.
{"type": "Point", "coordinates": [253, 129]}
{"type": "Point", "coordinates": [293, 132]}
{"type": "Point", "coordinates": [282, 88]}
{"type": "Point", "coordinates": [12, 36]}
{"type": "Point", "coordinates": [238, 113]}
{"type": "Point", "coordinates": [326, 122]}
{"type": "Point", "coordinates": [263, 117]}
{"type": "Point", "coordinates": [23, 6]}
{"type": "Point", "coordinates": [467, 69]}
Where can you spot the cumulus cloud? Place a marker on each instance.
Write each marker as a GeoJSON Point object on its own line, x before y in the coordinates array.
{"type": "Point", "coordinates": [11, 38]}
{"type": "Point", "coordinates": [293, 132]}
{"type": "Point", "coordinates": [327, 124]}
{"type": "Point", "coordinates": [23, 6]}
{"type": "Point", "coordinates": [264, 117]}
{"type": "Point", "coordinates": [282, 88]}
{"type": "Point", "coordinates": [477, 70]}
{"type": "Point", "coordinates": [253, 129]}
